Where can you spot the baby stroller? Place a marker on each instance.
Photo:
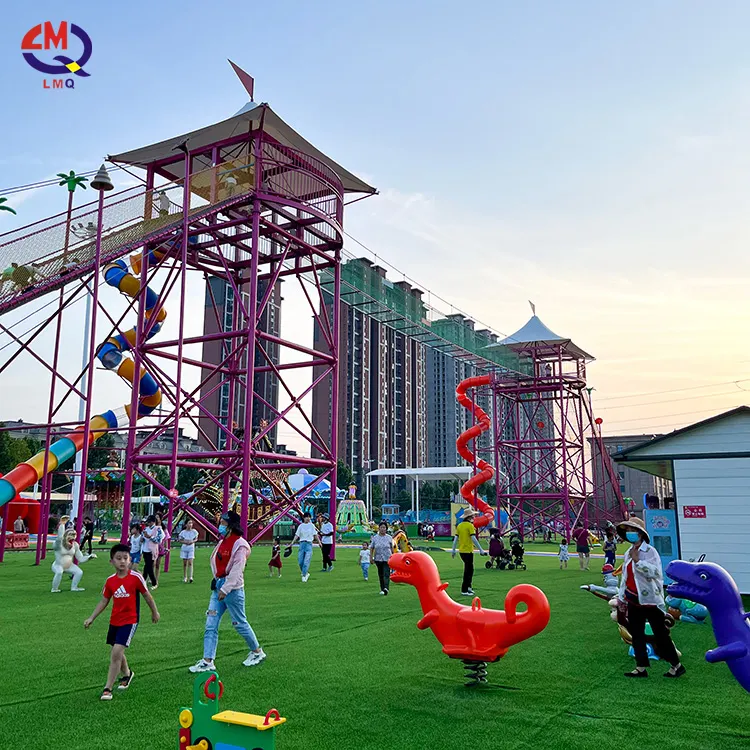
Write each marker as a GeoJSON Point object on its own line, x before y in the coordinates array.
{"type": "Point", "coordinates": [517, 550]}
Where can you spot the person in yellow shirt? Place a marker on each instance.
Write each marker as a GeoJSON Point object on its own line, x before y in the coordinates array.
{"type": "Point", "coordinates": [466, 539]}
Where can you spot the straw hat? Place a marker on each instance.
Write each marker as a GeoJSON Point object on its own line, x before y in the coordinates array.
{"type": "Point", "coordinates": [633, 524]}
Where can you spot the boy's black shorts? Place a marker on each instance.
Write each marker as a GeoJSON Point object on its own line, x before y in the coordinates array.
{"type": "Point", "coordinates": [121, 635]}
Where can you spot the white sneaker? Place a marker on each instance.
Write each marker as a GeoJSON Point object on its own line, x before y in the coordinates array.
{"type": "Point", "coordinates": [78, 589]}
{"type": "Point", "coordinates": [382, 593]}
{"type": "Point", "coordinates": [55, 591]}
{"type": "Point", "coordinates": [254, 658]}
{"type": "Point", "coordinates": [305, 577]}
{"type": "Point", "coordinates": [201, 666]}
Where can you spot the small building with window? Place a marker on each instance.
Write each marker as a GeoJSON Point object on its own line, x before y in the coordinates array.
{"type": "Point", "coordinates": [709, 466]}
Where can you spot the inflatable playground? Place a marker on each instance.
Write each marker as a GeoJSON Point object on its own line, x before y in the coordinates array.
{"type": "Point", "coordinates": [347, 621]}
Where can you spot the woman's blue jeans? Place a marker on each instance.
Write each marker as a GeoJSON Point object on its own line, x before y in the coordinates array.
{"type": "Point", "coordinates": [234, 601]}
{"type": "Point", "coordinates": [304, 556]}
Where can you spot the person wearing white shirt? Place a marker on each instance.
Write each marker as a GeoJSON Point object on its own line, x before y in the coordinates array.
{"type": "Point", "coordinates": [327, 531]}
{"type": "Point", "coordinates": [188, 536]}
{"type": "Point", "coordinates": [306, 534]}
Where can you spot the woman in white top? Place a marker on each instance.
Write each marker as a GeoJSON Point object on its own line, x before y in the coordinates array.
{"type": "Point", "coordinates": [306, 534]}
{"type": "Point", "coordinates": [327, 531]}
{"type": "Point", "coordinates": [188, 537]}
{"type": "Point", "coordinates": [641, 595]}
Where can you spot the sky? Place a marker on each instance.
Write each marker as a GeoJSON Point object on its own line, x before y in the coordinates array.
{"type": "Point", "coordinates": [591, 157]}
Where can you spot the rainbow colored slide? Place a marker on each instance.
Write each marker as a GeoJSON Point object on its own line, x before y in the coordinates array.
{"type": "Point", "coordinates": [111, 356]}
{"type": "Point", "coordinates": [486, 472]}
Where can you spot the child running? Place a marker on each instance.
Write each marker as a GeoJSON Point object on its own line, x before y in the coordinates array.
{"type": "Point", "coordinates": [275, 561]}
{"type": "Point", "coordinates": [188, 537]}
{"type": "Point", "coordinates": [563, 553]}
{"type": "Point", "coordinates": [125, 586]}
{"type": "Point", "coordinates": [364, 560]}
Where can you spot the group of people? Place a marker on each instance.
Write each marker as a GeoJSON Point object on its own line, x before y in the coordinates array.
{"type": "Point", "coordinates": [582, 537]}
{"type": "Point", "coordinates": [123, 588]}
{"type": "Point", "coordinates": [149, 543]}
{"type": "Point", "coordinates": [640, 590]}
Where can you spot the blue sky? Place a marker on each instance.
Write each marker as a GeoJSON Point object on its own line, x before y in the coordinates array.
{"type": "Point", "coordinates": [590, 156]}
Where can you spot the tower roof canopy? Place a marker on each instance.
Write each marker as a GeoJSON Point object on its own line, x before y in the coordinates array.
{"type": "Point", "coordinates": [247, 119]}
{"type": "Point", "coordinates": [535, 332]}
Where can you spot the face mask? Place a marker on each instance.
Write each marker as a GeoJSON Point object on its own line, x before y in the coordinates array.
{"type": "Point", "coordinates": [632, 536]}
{"type": "Point", "coordinates": [223, 529]}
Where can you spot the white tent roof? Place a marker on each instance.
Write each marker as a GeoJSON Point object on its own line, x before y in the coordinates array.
{"type": "Point", "coordinates": [244, 121]}
{"type": "Point", "coordinates": [535, 332]}
{"type": "Point", "coordinates": [426, 472]}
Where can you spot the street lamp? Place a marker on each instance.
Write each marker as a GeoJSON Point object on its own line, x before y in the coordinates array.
{"type": "Point", "coordinates": [103, 183]}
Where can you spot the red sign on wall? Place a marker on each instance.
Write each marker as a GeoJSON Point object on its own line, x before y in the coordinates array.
{"type": "Point", "coordinates": [694, 511]}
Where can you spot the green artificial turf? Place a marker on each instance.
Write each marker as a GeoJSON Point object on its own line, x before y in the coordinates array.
{"type": "Point", "coordinates": [349, 669]}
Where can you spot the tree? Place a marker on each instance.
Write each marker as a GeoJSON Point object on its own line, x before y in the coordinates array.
{"type": "Point", "coordinates": [99, 452]}
{"type": "Point", "coordinates": [344, 475]}
{"type": "Point", "coordinates": [403, 497]}
{"type": "Point", "coordinates": [427, 491]}
{"type": "Point", "coordinates": [160, 474]}
{"type": "Point", "coordinates": [187, 478]}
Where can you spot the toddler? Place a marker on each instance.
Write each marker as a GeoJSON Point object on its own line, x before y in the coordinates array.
{"type": "Point", "coordinates": [364, 559]}
{"type": "Point", "coordinates": [563, 553]}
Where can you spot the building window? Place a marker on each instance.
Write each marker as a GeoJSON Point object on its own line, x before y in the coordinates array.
{"type": "Point", "coordinates": [622, 474]}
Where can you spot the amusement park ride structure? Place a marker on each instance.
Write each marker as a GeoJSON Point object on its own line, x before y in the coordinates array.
{"type": "Point", "coordinates": [251, 202]}
{"type": "Point", "coordinates": [247, 200]}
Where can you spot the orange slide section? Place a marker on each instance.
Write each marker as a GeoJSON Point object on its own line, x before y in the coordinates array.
{"type": "Point", "coordinates": [486, 472]}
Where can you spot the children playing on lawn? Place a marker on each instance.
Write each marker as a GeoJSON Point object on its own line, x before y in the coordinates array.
{"type": "Point", "coordinates": [364, 560]}
{"type": "Point", "coordinates": [125, 587]}
{"type": "Point", "coordinates": [563, 553]}
{"type": "Point", "coordinates": [275, 562]}
{"type": "Point", "coordinates": [188, 536]}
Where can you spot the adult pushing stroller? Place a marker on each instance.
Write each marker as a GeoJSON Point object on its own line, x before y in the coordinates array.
{"type": "Point", "coordinates": [499, 556]}
{"type": "Point", "coordinates": [517, 550]}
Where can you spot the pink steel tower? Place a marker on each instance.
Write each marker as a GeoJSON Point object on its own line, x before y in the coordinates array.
{"type": "Point", "coordinates": [264, 205]}
{"type": "Point", "coordinates": [544, 434]}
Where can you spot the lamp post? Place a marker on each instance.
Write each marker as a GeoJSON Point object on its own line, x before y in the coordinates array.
{"type": "Point", "coordinates": [102, 183]}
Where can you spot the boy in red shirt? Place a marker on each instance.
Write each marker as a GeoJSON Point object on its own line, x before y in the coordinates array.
{"type": "Point", "coordinates": [125, 587]}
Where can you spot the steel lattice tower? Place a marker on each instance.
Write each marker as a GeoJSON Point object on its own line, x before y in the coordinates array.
{"type": "Point", "coordinates": [263, 205]}
{"type": "Point", "coordinates": [544, 435]}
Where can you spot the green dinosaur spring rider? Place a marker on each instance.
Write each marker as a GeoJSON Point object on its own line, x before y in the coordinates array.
{"type": "Point", "coordinates": [204, 727]}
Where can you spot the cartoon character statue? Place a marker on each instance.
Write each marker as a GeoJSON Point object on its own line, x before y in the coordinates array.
{"type": "Point", "coordinates": [686, 611]}
{"type": "Point", "coordinates": [611, 584]}
{"type": "Point", "coordinates": [67, 553]}
{"type": "Point", "coordinates": [709, 584]}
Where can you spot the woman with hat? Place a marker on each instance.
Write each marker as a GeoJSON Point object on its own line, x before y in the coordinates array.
{"type": "Point", "coordinates": [641, 595]}
{"type": "Point", "coordinates": [466, 539]}
{"type": "Point", "coordinates": [228, 562]}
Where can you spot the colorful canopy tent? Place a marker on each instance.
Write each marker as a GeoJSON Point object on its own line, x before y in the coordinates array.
{"type": "Point", "coordinates": [321, 491]}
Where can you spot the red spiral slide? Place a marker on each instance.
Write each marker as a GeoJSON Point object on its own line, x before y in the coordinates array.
{"type": "Point", "coordinates": [486, 472]}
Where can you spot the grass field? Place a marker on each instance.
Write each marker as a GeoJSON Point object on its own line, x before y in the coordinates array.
{"type": "Point", "coordinates": [349, 669]}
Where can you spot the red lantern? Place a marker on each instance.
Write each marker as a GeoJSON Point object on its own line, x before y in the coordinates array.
{"type": "Point", "coordinates": [598, 420]}
{"type": "Point", "coordinates": [540, 425]}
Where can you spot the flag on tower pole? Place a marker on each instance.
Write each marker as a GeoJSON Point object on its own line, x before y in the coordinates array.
{"type": "Point", "coordinates": [245, 79]}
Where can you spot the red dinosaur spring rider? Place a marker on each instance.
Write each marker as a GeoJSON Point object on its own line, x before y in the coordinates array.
{"type": "Point", "coordinates": [472, 634]}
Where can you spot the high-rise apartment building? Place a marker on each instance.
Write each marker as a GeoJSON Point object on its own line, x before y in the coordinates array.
{"type": "Point", "coordinates": [219, 310]}
{"type": "Point", "coordinates": [446, 419]}
{"type": "Point", "coordinates": [382, 377]}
